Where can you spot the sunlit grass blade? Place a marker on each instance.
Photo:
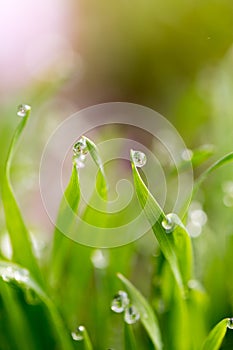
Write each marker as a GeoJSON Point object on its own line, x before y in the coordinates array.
{"type": "Point", "coordinates": [215, 337]}
{"type": "Point", "coordinates": [102, 186]}
{"type": "Point", "coordinates": [17, 275]}
{"type": "Point", "coordinates": [61, 244]}
{"type": "Point", "coordinates": [147, 315]}
{"type": "Point", "coordinates": [156, 216]}
{"type": "Point", "coordinates": [228, 158]}
{"type": "Point", "coordinates": [19, 235]}
{"type": "Point", "coordinates": [87, 340]}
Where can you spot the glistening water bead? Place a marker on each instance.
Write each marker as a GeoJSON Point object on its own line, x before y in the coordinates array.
{"type": "Point", "coordinates": [230, 323]}
{"type": "Point", "coordinates": [131, 315]}
{"type": "Point", "coordinates": [168, 223]}
{"type": "Point", "coordinates": [22, 110]}
{"type": "Point", "coordinates": [139, 158]}
{"type": "Point", "coordinates": [120, 302]}
{"type": "Point", "coordinates": [80, 151]}
{"type": "Point", "coordinates": [78, 334]}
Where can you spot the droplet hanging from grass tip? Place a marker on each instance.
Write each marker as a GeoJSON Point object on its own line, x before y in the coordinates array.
{"type": "Point", "coordinates": [230, 323]}
{"type": "Point", "coordinates": [78, 334]}
{"type": "Point", "coordinates": [22, 110]}
{"type": "Point", "coordinates": [139, 158]}
{"type": "Point", "coordinates": [168, 223]}
{"type": "Point", "coordinates": [80, 150]}
{"type": "Point", "coordinates": [120, 302]}
{"type": "Point", "coordinates": [131, 315]}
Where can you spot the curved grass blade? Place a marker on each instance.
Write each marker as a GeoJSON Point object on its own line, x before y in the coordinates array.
{"type": "Point", "coordinates": [19, 235]}
{"type": "Point", "coordinates": [228, 158]}
{"type": "Point", "coordinates": [147, 315]}
{"type": "Point", "coordinates": [156, 216]}
{"type": "Point", "coordinates": [87, 340]}
{"type": "Point", "coordinates": [215, 337]}
{"type": "Point", "coordinates": [16, 275]}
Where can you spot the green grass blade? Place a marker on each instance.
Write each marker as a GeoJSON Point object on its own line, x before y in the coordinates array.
{"type": "Point", "coordinates": [16, 275]}
{"type": "Point", "coordinates": [87, 340]}
{"type": "Point", "coordinates": [215, 337]}
{"type": "Point", "coordinates": [155, 216]}
{"type": "Point", "coordinates": [17, 322]}
{"type": "Point", "coordinates": [228, 158]}
{"type": "Point", "coordinates": [61, 244]}
{"type": "Point", "coordinates": [130, 341]}
{"type": "Point", "coordinates": [147, 315]}
{"type": "Point", "coordinates": [102, 186]}
{"type": "Point", "coordinates": [19, 235]}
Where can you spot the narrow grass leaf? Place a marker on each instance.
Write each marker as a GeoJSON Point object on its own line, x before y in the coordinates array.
{"type": "Point", "coordinates": [19, 235]}
{"type": "Point", "coordinates": [228, 158]}
{"type": "Point", "coordinates": [147, 315]}
{"type": "Point", "coordinates": [156, 216]}
{"type": "Point", "coordinates": [215, 337]}
{"type": "Point", "coordinates": [130, 341]}
{"type": "Point", "coordinates": [17, 275]}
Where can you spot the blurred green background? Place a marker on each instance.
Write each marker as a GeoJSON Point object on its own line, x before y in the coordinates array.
{"type": "Point", "coordinates": [173, 56]}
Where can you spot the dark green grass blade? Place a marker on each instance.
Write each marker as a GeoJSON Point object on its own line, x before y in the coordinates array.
{"type": "Point", "coordinates": [19, 235]}
{"type": "Point", "coordinates": [215, 337]}
{"type": "Point", "coordinates": [147, 315]}
{"type": "Point", "coordinates": [19, 328]}
{"type": "Point", "coordinates": [11, 273]}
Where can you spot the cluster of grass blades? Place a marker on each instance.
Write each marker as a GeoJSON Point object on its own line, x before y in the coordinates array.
{"type": "Point", "coordinates": [41, 304]}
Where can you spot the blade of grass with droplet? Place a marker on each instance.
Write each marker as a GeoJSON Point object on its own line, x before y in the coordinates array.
{"type": "Point", "coordinates": [147, 315]}
{"type": "Point", "coordinates": [155, 216]}
{"type": "Point", "coordinates": [10, 273]}
{"type": "Point", "coordinates": [19, 235]}
{"type": "Point", "coordinates": [215, 337]}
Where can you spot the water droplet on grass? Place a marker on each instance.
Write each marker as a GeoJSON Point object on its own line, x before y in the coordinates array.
{"type": "Point", "coordinates": [230, 323]}
{"type": "Point", "coordinates": [131, 315]}
{"type": "Point", "coordinates": [100, 259]}
{"type": "Point", "coordinates": [139, 158]}
{"type": "Point", "coordinates": [22, 110]}
{"type": "Point", "coordinates": [120, 302]}
{"type": "Point", "coordinates": [168, 223]}
{"type": "Point", "coordinates": [80, 151]}
{"type": "Point", "coordinates": [78, 334]}
{"type": "Point", "coordinates": [187, 154]}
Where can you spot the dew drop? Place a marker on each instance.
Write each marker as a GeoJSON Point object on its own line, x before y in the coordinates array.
{"type": "Point", "coordinates": [131, 315]}
{"type": "Point", "coordinates": [100, 259]}
{"type": "Point", "coordinates": [120, 302]}
{"type": "Point", "coordinates": [187, 154]}
{"type": "Point", "coordinates": [22, 110]}
{"type": "Point", "coordinates": [139, 158]}
{"type": "Point", "coordinates": [168, 223]}
{"type": "Point", "coordinates": [80, 147]}
{"type": "Point", "coordinates": [80, 151]}
{"type": "Point", "coordinates": [78, 334]}
{"type": "Point", "coordinates": [230, 323]}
